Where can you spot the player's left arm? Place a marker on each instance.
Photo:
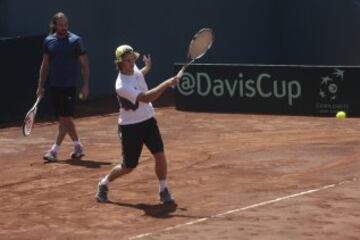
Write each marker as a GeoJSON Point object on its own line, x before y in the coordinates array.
{"type": "Point", "coordinates": [85, 70]}
{"type": "Point", "coordinates": [147, 66]}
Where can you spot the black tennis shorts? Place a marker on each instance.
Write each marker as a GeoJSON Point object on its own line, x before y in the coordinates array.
{"type": "Point", "coordinates": [64, 99]}
{"type": "Point", "coordinates": [134, 136]}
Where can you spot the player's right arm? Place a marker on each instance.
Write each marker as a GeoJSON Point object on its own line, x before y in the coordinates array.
{"type": "Point", "coordinates": [44, 72]}
{"type": "Point", "coordinates": [156, 92]}
{"type": "Point", "coordinates": [134, 96]}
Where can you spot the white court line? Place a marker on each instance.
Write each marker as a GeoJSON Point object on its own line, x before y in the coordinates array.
{"type": "Point", "coordinates": [243, 209]}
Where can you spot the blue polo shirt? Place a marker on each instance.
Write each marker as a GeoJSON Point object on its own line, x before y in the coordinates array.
{"type": "Point", "coordinates": [64, 54]}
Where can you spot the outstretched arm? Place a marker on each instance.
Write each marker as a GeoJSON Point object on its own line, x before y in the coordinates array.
{"type": "Point", "coordinates": [156, 92]}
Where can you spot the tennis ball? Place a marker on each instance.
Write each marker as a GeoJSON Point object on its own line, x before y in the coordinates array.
{"type": "Point", "coordinates": [341, 115]}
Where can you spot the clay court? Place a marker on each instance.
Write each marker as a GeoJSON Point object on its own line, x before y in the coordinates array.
{"type": "Point", "coordinates": [234, 176]}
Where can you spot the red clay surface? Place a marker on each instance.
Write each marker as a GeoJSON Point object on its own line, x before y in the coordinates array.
{"type": "Point", "coordinates": [284, 177]}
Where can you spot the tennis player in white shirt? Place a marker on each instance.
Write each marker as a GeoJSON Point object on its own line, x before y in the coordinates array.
{"type": "Point", "coordinates": [137, 123]}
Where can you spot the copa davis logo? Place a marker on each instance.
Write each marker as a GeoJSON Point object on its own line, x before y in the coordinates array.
{"type": "Point", "coordinates": [330, 91]}
{"type": "Point", "coordinates": [331, 84]}
{"type": "Point", "coordinates": [203, 85]}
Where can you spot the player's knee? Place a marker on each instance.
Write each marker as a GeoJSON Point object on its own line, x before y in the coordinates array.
{"type": "Point", "coordinates": [129, 167]}
{"type": "Point", "coordinates": [128, 170]}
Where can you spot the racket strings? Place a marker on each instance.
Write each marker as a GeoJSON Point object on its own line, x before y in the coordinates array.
{"type": "Point", "coordinates": [29, 122]}
{"type": "Point", "coordinates": [201, 43]}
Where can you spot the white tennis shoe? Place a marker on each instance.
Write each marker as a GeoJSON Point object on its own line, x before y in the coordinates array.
{"type": "Point", "coordinates": [78, 152]}
{"type": "Point", "coordinates": [50, 156]}
{"type": "Point", "coordinates": [165, 197]}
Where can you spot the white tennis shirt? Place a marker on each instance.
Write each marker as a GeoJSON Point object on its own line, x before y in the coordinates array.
{"type": "Point", "coordinates": [129, 87]}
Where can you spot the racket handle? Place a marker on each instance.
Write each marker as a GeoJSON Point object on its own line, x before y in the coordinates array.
{"type": "Point", "coordinates": [181, 72]}
{"type": "Point", "coordinates": [38, 99]}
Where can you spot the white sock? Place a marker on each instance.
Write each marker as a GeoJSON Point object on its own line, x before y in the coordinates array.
{"type": "Point", "coordinates": [77, 142]}
{"type": "Point", "coordinates": [55, 148]}
{"type": "Point", "coordinates": [105, 180]}
{"type": "Point", "coordinates": [162, 185]}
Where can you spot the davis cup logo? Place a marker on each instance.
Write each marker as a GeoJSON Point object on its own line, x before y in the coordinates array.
{"type": "Point", "coordinates": [331, 84]}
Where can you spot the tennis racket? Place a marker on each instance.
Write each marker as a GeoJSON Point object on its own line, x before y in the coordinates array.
{"type": "Point", "coordinates": [30, 119]}
{"type": "Point", "coordinates": [199, 45]}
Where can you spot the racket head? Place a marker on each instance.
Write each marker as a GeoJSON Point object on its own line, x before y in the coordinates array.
{"type": "Point", "coordinates": [29, 119]}
{"type": "Point", "coordinates": [29, 122]}
{"type": "Point", "coordinates": [201, 43]}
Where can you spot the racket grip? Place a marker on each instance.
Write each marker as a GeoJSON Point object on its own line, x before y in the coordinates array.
{"type": "Point", "coordinates": [181, 72]}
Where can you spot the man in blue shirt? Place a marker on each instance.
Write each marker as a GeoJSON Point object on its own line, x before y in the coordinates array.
{"type": "Point", "coordinates": [62, 53]}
